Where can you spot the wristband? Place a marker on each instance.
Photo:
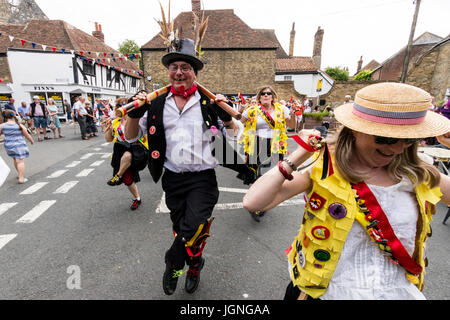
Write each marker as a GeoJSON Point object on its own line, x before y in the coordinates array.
{"type": "Point", "coordinates": [289, 162]}
{"type": "Point", "coordinates": [283, 171]}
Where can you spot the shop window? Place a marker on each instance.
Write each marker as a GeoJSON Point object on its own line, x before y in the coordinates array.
{"type": "Point", "coordinates": [108, 75]}
{"type": "Point", "coordinates": [287, 78]}
{"type": "Point", "coordinates": [133, 82]}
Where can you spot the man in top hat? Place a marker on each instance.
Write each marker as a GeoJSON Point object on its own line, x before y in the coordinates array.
{"type": "Point", "coordinates": [177, 124]}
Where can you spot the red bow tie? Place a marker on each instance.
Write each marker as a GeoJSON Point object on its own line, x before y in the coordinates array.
{"type": "Point", "coordinates": [183, 93]}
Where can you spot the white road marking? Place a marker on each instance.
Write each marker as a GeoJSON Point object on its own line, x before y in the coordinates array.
{"type": "Point", "coordinates": [36, 212]}
{"type": "Point", "coordinates": [97, 163]}
{"type": "Point", "coordinates": [6, 206]}
{"type": "Point", "coordinates": [66, 187]}
{"type": "Point", "coordinates": [106, 144]}
{"type": "Point", "coordinates": [86, 156]}
{"type": "Point", "coordinates": [97, 149]}
{"type": "Point", "coordinates": [5, 238]}
{"type": "Point", "coordinates": [84, 173]}
{"type": "Point", "coordinates": [106, 156]}
{"type": "Point", "coordinates": [34, 188]}
{"type": "Point", "coordinates": [57, 174]}
{"type": "Point", "coordinates": [234, 190]}
{"type": "Point", "coordinates": [162, 207]}
{"type": "Point", "coordinates": [73, 164]}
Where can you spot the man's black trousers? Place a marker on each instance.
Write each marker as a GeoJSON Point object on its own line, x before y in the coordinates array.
{"type": "Point", "coordinates": [191, 198]}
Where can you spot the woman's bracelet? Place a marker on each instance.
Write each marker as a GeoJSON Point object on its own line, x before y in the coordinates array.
{"type": "Point", "coordinates": [290, 164]}
{"type": "Point", "coordinates": [283, 171]}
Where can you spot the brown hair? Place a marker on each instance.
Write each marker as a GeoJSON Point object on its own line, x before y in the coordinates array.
{"type": "Point", "coordinates": [407, 164]}
{"type": "Point", "coordinates": [261, 89]}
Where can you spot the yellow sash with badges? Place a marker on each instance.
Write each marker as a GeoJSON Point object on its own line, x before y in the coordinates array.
{"type": "Point", "coordinates": [279, 139]}
{"type": "Point", "coordinates": [330, 212]}
{"type": "Point", "coordinates": [118, 132]}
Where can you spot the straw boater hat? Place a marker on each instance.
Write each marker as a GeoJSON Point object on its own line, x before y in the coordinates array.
{"type": "Point", "coordinates": [394, 110]}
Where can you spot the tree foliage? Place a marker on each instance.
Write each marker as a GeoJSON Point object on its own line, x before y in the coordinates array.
{"type": "Point", "coordinates": [131, 47]}
{"type": "Point", "coordinates": [337, 73]}
{"type": "Point", "coordinates": [364, 75]}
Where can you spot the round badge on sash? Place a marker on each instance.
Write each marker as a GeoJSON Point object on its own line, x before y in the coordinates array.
{"type": "Point", "coordinates": [301, 259]}
{"type": "Point", "coordinates": [156, 155]}
{"type": "Point", "coordinates": [152, 130]}
{"type": "Point", "coordinates": [322, 255]}
{"type": "Point", "coordinates": [337, 211]}
{"type": "Point", "coordinates": [320, 233]}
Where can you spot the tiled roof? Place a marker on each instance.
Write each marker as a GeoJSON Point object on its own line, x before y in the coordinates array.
{"type": "Point", "coordinates": [270, 34]}
{"type": "Point", "coordinates": [60, 34]}
{"type": "Point", "coordinates": [225, 31]}
{"type": "Point", "coordinates": [372, 65]}
{"type": "Point", "coordinates": [295, 64]}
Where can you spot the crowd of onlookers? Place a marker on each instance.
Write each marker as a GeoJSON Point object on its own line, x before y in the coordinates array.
{"type": "Point", "coordinates": [20, 124]}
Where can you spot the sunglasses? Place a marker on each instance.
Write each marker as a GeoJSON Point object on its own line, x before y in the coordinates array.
{"type": "Point", "coordinates": [266, 93]}
{"type": "Point", "coordinates": [390, 141]}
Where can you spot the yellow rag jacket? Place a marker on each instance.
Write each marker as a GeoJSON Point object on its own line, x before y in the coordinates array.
{"type": "Point", "coordinates": [115, 133]}
{"type": "Point", "coordinates": [279, 139]}
{"type": "Point", "coordinates": [309, 251]}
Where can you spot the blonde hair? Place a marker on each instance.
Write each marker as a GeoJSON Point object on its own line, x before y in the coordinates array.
{"type": "Point", "coordinates": [407, 164]}
{"type": "Point", "coordinates": [261, 89]}
{"type": "Point", "coordinates": [51, 100]}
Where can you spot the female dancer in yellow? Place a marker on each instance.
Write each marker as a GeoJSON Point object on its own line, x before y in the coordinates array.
{"type": "Point", "coordinates": [265, 135]}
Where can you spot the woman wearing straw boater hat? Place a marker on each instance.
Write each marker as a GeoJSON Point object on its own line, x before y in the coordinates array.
{"type": "Point", "coordinates": [369, 198]}
{"type": "Point", "coordinates": [177, 123]}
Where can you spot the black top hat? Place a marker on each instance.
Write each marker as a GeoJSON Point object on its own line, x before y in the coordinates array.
{"type": "Point", "coordinates": [182, 50]}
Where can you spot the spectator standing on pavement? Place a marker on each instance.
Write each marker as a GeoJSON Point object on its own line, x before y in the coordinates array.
{"type": "Point", "coordinates": [10, 105]}
{"type": "Point", "coordinates": [15, 144]}
{"type": "Point", "coordinates": [39, 115]}
{"type": "Point", "coordinates": [53, 118]}
{"type": "Point", "coordinates": [68, 111]}
{"type": "Point", "coordinates": [25, 114]}
{"type": "Point", "coordinates": [81, 115]}
{"type": "Point", "coordinates": [101, 114]}
{"type": "Point", "coordinates": [189, 181]}
{"type": "Point", "coordinates": [91, 128]}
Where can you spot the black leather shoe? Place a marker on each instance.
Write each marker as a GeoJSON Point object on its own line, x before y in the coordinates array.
{"type": "Point", "coordinates": [193, 277]}
{"type": "Point", "coordinates": [257, 215]}
{"type": "Point", "coordinates": [170, 279]}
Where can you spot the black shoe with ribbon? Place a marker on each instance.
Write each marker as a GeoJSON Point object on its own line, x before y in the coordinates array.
{"type": "Point", "coordinates": [170, 278]}
{"type": "Point", "coordinates": [193, 276]}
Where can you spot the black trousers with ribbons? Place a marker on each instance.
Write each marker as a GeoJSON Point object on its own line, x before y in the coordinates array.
{"type": "Point", "coordinates": [190, 197]}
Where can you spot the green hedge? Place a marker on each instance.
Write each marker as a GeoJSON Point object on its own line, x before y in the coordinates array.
{"type": "Point", "coordinates": [316, 115]}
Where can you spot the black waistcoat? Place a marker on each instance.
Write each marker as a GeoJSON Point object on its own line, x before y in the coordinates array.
{"type": "Point", "coordinates": [156, 134]}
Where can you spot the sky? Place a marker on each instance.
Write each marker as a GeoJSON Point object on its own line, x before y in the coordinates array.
{"type": "Point", "coordinates": [374, 29]}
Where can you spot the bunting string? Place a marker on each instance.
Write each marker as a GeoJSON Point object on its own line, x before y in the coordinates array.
{"type": "Point", "coordinates": [102, 58]}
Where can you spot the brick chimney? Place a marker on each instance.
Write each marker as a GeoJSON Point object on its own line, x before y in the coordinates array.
{"type": "Point", "coordinates": [317, 51]}
{"type": "Point", "coordinates": [196, 7]}
{"type": "Point", "coordinates": [360, 62]}
{"type": "Point", "coordinates": [98, 32]}
{"type": "Point", "coordinates": [291, 43]}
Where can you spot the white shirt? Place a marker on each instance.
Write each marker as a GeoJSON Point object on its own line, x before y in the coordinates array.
{"type": "Point", "coordinates": [363, 272]}
{"type": "Point", "coordinates": [263, 129]}
{"type": "Point", "coordinates": [81, 107]}
{"type": "Point", "coordinates": [188, 140]}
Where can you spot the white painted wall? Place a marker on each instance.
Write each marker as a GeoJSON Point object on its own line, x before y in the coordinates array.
{"type": "Point", "coordinates": [307, 83]}
{"type": "Point", "coordinates": [56, 70]}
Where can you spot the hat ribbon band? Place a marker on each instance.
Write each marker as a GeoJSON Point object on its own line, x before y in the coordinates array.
{"type": "Point", "coordinates": [386, 117]}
